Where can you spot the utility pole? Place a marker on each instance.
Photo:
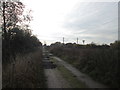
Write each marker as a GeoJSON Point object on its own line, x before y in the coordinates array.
{"type": "Point", "coordinates": [77, 40]}
{"type": "Point", "coordinates": [63, 40]}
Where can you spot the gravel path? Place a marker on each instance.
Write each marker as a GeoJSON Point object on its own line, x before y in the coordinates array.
{"type": "Point", "coordinates": [55, 79]}
{"type": "Point", "coordinates": [82, 77]}
{"type": "Point", "coordinates": [53, 76]}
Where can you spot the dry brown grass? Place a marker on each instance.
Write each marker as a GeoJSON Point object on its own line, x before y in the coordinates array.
{"type": "Point", "coordinates": [27, 71]}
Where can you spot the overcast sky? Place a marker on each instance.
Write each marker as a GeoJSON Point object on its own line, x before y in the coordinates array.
{"type": "Point", "coordinates": [90, 21]}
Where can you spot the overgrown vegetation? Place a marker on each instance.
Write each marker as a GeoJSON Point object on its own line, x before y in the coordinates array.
{"type": "Point", "coordinates": [21, 50]}
{"type": "Point", "coordinates": [27, 72]}
{"type": "Point", "coordinates": [99, 61]}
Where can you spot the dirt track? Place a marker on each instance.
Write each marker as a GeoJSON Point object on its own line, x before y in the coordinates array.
{"type": "Point", "coordinates": [53, 76]}
{"type": "Point", "coordinates": [82, 77]}
{"type": "Point", "coordinates": [55, 79]}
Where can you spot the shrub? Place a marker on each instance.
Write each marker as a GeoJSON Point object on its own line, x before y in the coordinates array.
{"type": "Point", "coordinates": [99, 61]}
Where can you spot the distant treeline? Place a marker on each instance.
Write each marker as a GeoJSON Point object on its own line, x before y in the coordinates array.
{"type": "Point", "coordinates": [101, 62]}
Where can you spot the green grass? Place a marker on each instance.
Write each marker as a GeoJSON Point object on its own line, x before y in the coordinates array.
{"type": "Point", "coordinates": [71, 78]}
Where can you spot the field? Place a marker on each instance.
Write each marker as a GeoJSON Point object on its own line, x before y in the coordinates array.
{"type": "Point", "coordinates": [98, 61]}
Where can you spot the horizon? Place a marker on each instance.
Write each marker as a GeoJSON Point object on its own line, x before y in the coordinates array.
{"type": "Point", "coordinates": [90, 21]}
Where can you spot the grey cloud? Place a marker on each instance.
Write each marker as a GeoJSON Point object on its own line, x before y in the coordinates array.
{"type": "Point", "coordinates": [97, 19]}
